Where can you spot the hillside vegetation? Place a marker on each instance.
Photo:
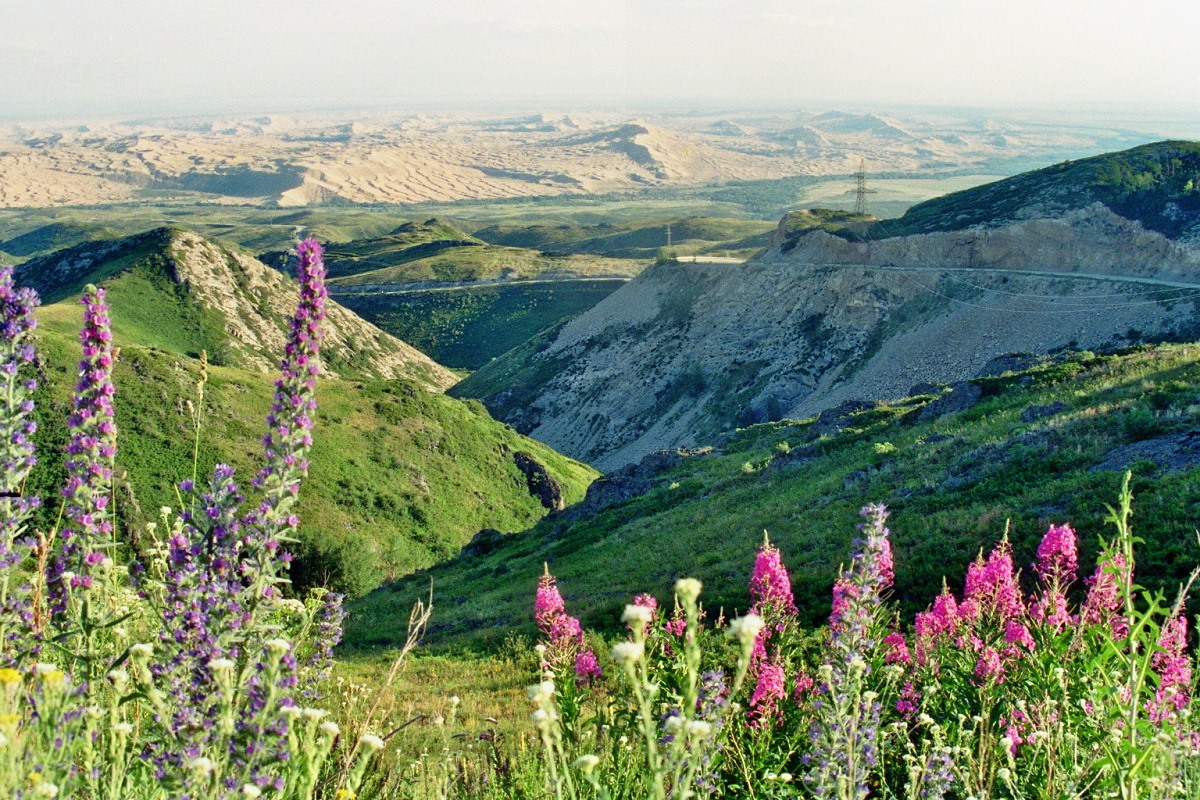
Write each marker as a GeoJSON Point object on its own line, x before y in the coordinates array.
{"type": "Point", "coordinates": [467, 328]}
{"type": "Point", "coordinates": [637, 239]}
{"type": "Point", "coordinates": [402, 476]}
{"type": "Point", "coordinates": [1042, 445]}
{"type": "Point", "coordinates": [1156, 184]}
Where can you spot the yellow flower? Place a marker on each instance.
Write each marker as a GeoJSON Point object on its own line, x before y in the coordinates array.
{"type": "Point", "coordinates": [35, 778]}
{"type": "Point", "coordinates": [9, 676]}
{"type": "Point", "coordinates": [54, 677]}
{"type": "Point", "coordinates": [346, 794]}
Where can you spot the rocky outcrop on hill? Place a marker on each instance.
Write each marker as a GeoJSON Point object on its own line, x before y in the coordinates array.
{"type": "Point", "coordinates": [686, 351]}
{"type": "Point", "coordinates": [252, 301]}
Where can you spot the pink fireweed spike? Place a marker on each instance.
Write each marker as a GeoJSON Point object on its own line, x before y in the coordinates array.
{"type": "Point", "coordinates": [564, 640]}
{"type": "Point", "coordinates": [770, 585]}
{"type": "Point", "coordinates": [1103, 605]}
{"type": "Point", "coordinates": [1174, 670]}
{"type": "Point", "coordinates": [1058, 557]}
{"type": "Point", "coordinates": [991, 586]}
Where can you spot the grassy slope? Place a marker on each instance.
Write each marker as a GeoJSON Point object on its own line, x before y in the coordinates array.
{"type": "Point", "coordinates": [401, 478]}
{"type": "Point", "coordinates": [951, 484]}
{"type": "Point", "coordinates": [467, 328]}
{"type": "Point", "coordinates": [1138, 184]}
{"type": "Point", "coordinates": [640, 239]}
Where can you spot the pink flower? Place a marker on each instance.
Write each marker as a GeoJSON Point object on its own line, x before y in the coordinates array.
{"type": "Point", "coordinates": [1015, 633]}
{"type": "Point", "coordinates": [587, 668]}
{"type": "Point", "coordinates": [1103, 603]}
{"type": "Point", "coordinates": [1173, 668]}
{"type": "Point", "coordinates": [647, 601]}
{"type": "Point", "coordinates": [1050, 609]}
{"type": "Point", "coordinates": [770, 585]}
{"type": "Point", "coordinates": [1058, 558]}
{"type": "Point", "coordinates": [764, 704]}
{"type": "Point", "coordinates": [1015, 727]}
{"type": "Point", "coordinates": [989, 666]}
{"type": "Point", "coordinates": [676, 626]}
{"type": "Point", "coordinates": [897, 649]}
{"type": "Point", "coordinates": [549, 612]}
{"type": "Point", "coordinates": [548, 603]}
{"type": "Point", "coordinates": [885, 565]}
{"type": "Point", "coordinates": [804, 686]}
{"type": "Point", "coordinates": [993, 584]}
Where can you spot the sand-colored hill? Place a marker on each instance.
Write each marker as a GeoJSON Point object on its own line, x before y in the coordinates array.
{"type": "Point", "coordinates": [395, 158]}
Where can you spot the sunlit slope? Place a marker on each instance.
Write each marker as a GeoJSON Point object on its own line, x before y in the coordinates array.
{"type": "Point", "coordinates": [1040, 445]}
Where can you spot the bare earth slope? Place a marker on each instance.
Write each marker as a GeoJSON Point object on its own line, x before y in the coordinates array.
{"type": "Point", "coordinates": [686, 351]}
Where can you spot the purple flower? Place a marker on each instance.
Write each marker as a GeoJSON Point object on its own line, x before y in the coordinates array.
{"type": "Point", "coordinates": [290, 422]}
{"type": "Point", "coordinates": [1058, 557]}
{"type": "Point", "coordinates": [90, 453]}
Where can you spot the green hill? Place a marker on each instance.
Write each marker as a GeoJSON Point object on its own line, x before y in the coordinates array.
{"type": "Point", "coordinates": [467, 328]}
{"type": "Point", "coordinates": [402, 476]}
{"type": "Point", "coordinates": [55, 236]}
{"type": "Point", "coordinates": [637, 239]}
{"type": "Point", "coordinates": [1156, 184]}
{"type": "Point", "coordinates": [1047, 444]}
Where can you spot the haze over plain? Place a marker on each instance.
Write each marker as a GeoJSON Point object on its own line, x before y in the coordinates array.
{"type": "Point", "coordinates": [130, 56]}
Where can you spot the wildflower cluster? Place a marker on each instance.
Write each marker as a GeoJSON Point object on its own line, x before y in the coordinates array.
{"type": "Point", "coordinates": [183, 676]}
{"type": "Point", "coordinates": [995, 692]}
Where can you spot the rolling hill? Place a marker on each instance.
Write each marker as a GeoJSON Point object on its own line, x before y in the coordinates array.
{"type": "Point", "coordinates": [402, 475]}
{"type": "Point", "coordinates": [1036, 441]}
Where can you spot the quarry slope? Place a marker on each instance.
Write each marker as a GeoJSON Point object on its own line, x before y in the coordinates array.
{"type": "Point", "coordinates": [685, 352]}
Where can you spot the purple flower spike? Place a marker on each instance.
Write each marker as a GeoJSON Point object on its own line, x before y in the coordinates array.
{"type": "Point", "coordinates": [16, 411]}
{"type": "Point", "coordinates": [90, 452]}
{"type": "Point", "coordinates": [290, 422]}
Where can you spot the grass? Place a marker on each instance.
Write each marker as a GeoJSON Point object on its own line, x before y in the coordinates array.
{"type": "Point", "coordinates": [466, 328]}
{"type": "Point", "coordinates": [953, 484]}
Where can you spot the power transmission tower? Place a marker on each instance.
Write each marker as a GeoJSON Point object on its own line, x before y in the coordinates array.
{"type": "Point", "coordinates": [668, 236]}
{"type": "Point", "coordinates": [861, 192]}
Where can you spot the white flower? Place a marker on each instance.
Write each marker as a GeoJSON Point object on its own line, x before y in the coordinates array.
{"type": "Point", "coordinates": [370, 741]}
{"type": "Point", "coordinates": [439, 720]}
{"type": "Point", "coordinates": [673, 724]}
{"type": "Point", "coordinates": [315, 713]}
{"type": "Point", "coordinates": [628, 652]}
{"type": "Point", "coordinates": [541, 692]}
{"type": "Point", "coordinates": [1004, 774]}
{"type": "Point", "coordinates": [251, 791]}
{"type": "Point", "coordinates": [586, 763]}
{"type": "Point", "coordinates": [1006, 744]}
{"type": "Point", "coordinates": [745, 629]}
{"type": "Point", "coordinates": [291, 712]}
{"type": "Point", "coordinates": [202, 766]}
{"type": "Point", "coordinates": [540, 717]}
{"type": "Point", "coordinates": [636, 616]}
{"type": "Point", "coordinates": [122, 729]}
{"type": "Point", "coordinates": [45, 668]}
{"type": "Point", "coordinates": [699, 729]}
{"type": "Point", "coordinates": [141, 650]}
{"type": "Point", "coordinates": [93, 712]}
{"type": "Point", "coordinates": [165, 511]}
{"type": "Point", "coordinates": [540, 649]}
{"type": "Point", "coordinates": [278, 646]}
{"type": "Point", "coordinates": [45, 789]}
{"type": "Point", "coordinates": [330, 727]}
{"type": "Point", "coordinates": [221, 665]}
{"type": "Point", "coordinates": [688, 589]}
{"type": "Point", "coordinates": [454, 701]}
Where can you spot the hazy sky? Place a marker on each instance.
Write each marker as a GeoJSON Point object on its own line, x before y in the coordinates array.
{"type": "Point", "coordinates": [68, 57]}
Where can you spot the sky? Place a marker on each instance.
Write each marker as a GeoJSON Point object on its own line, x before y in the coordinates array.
{"type": "Point", "coordinates": [93, 57]}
